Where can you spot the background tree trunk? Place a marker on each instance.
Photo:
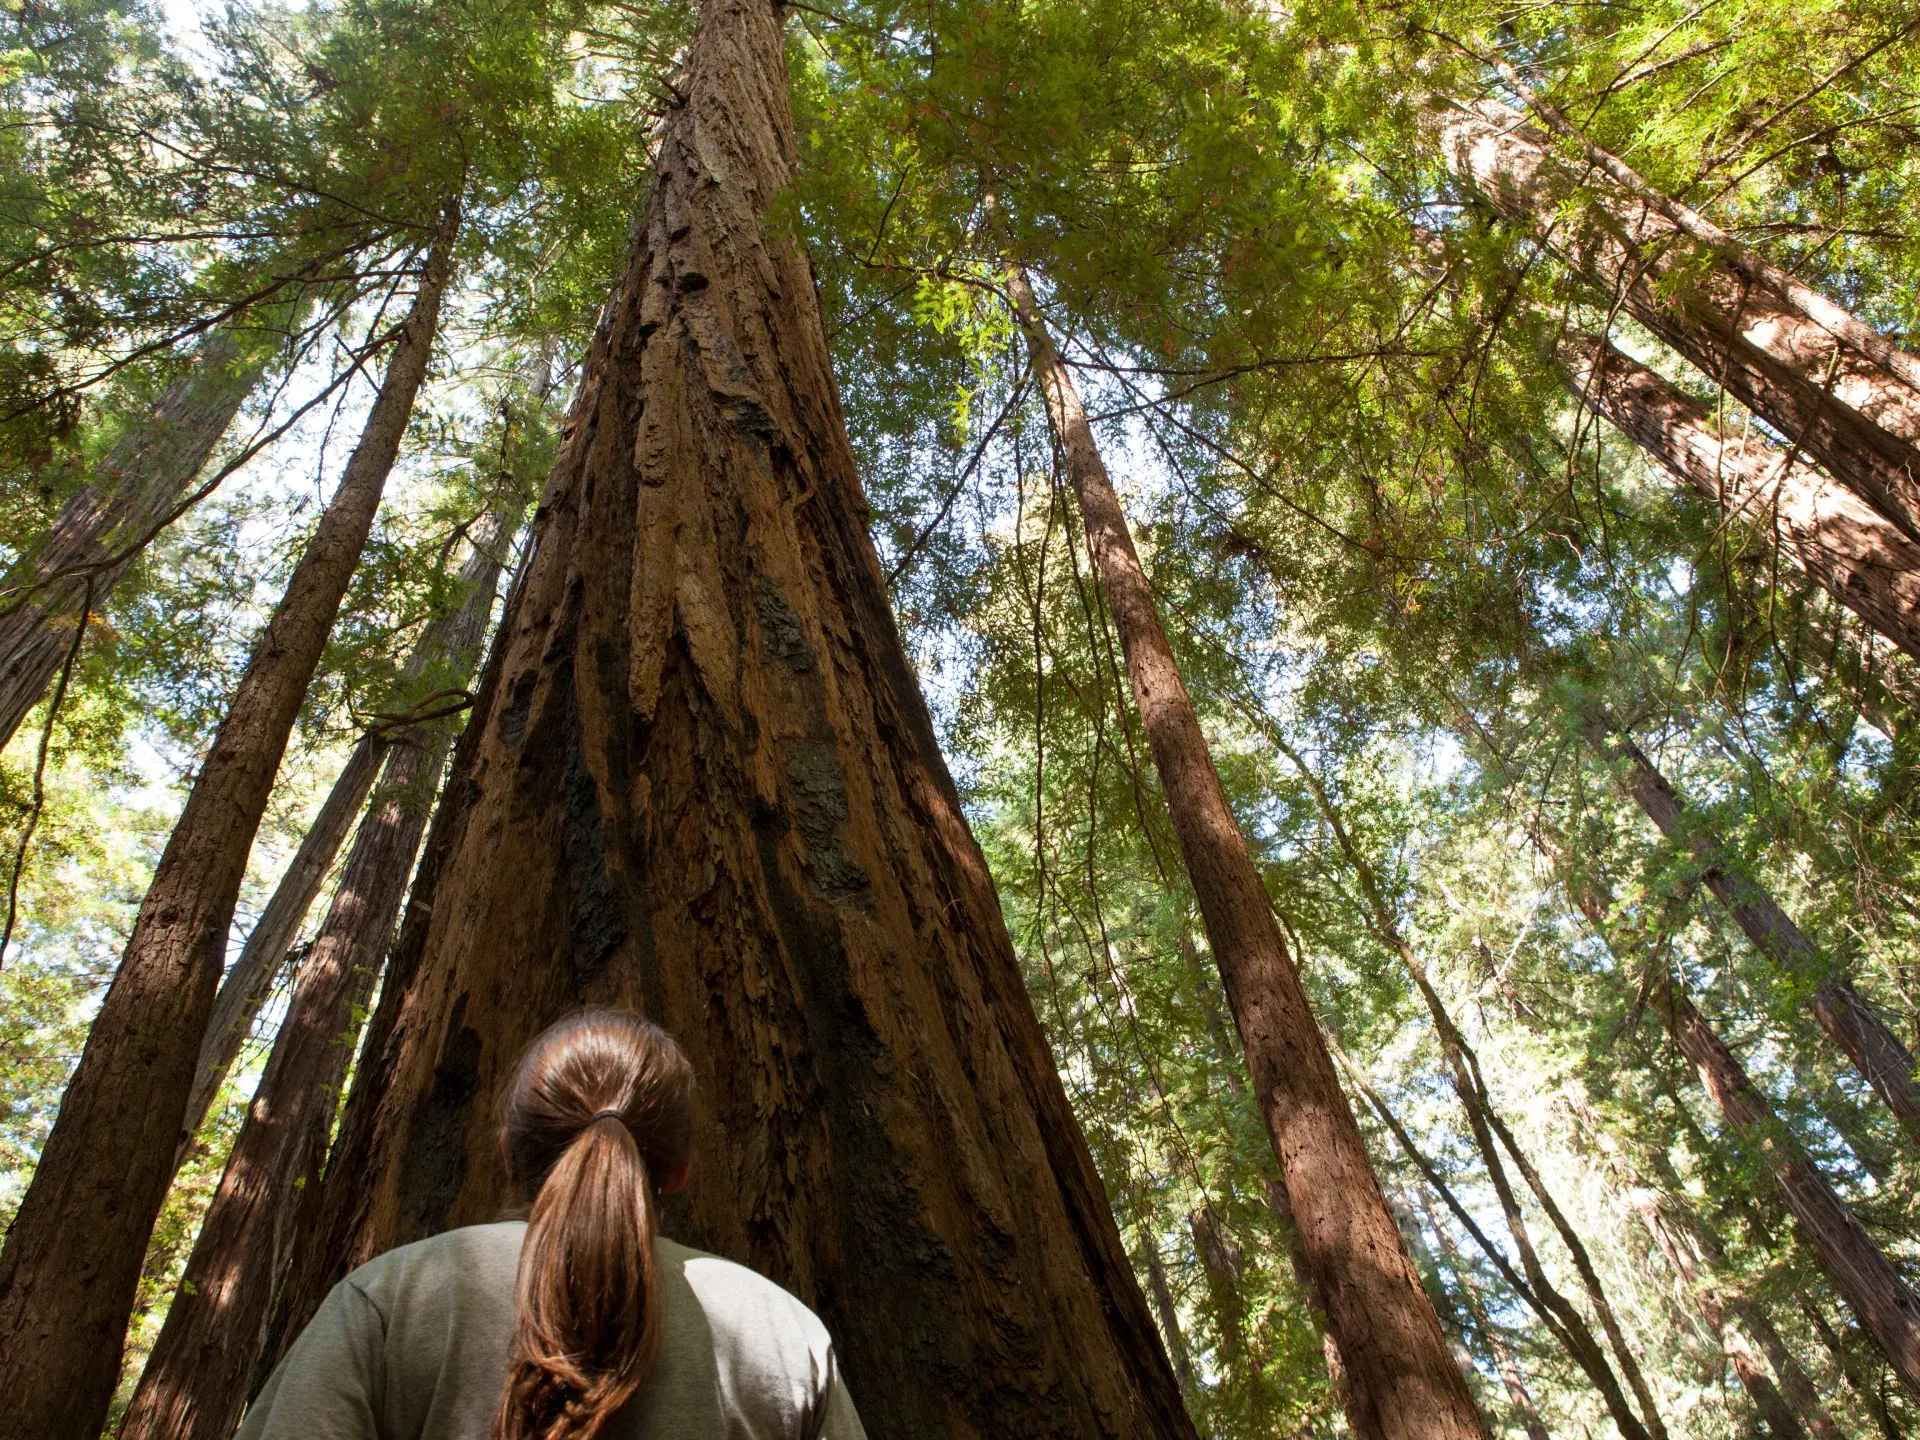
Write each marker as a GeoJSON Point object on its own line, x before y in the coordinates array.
{"type": "Point", "coordinates": [244, 988]}
{"type": "Point", "coordinates": [703, 760]}
{"type": "Point", "coordinates": [1861, 424]}
{"type": "Point", "coordinates": [72, 1257]}
{"type": "Point", "coordinates": [1401, 1379]}
{"type": "Point", "coordinates": [1504, 1361]}
{"type": "Point", "coordinates": [1849, 1021]}
{"type": "Point", "coordinates": [1836, 539]}
{"type": "Point", "coordinates": [146, 473]}
{"type": "Point", "coordinates": [195, 1382]}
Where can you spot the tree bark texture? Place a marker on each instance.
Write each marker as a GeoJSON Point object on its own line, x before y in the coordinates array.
{"type": "Point", "coordinates": [72, 1257]}
{"type": "Point", "coordinates": [1861, 423]}
{"type": "Point", "coordinates": [1836, 539]}
{"type": "Point", "coordinates": [1401, 1378]}
{"type": "Point", "coordinates": [195, 1382]}
{"type": "Point", "coordinates": [1845, 1014]}
{"type": "Point", "coordinates": [244, 988]}
{"type": "Point", "coordinates": [1886, 1305]}
{"type": "Point", "coordinates": [702, 782]}
{"type": "Point", "coordinates": [147, 472]}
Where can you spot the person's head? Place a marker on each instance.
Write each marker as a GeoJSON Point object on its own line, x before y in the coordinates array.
{"type": "Point", "coordinates": [598, 1125]}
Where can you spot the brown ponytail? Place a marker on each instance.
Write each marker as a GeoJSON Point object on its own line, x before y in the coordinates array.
{"type": "Point", "coordinates": [600, 1113]}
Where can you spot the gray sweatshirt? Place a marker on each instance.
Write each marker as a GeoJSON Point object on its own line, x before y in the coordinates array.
{"type": "Point", "coordinates": [413, 1346]}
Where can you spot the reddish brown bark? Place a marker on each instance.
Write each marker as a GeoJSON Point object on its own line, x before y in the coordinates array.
{"type": "Point", "coordinates": [1836, 539]}
{"type": "Point", "coordinates": [195, 1381]}
{"type": "Point", "coordinates": [73, 1255]}
{"type": "Point", "coordinates": [1860, 422]}
{"type": "Point", "coordinates": [145, 475]}
{"type": "Point", "coordinates": [701, 780]}
{"type": "Point", "coordinates": [1846, 1016]}
{"type": "Point", "coordinates": [1401, 1380]}
{"type": "Point", "coordinates": [244, 988]}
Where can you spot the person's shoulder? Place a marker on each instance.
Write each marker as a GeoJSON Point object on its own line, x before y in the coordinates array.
{"type": "Point", "coordinates": [735, 1297]}
{"type": "Point", "coordinates": [471, 1254]}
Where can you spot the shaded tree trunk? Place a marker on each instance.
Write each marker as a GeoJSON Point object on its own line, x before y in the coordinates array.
{"type": "Point", "coordinates": [1836, 539]}
{"type": "Point", "coordinates": [701, 754]}
{"type": "Point", "coordinates": [1163, 1303]}
{"type": "Point", "coordinates": [1848, 1364]}
{"type": "Point", "coordinates": [1401, 1380]}
{"type": "Point", "coordinates": [1858, 421]}
{"type": "Point", "coordinates": [195, 1382]}
{"type": "Point", "coordinates": [249, 979]}
{"type": "Point", "coordinates": [72, 1257]}
{"type": "Point", "coordinates": [146, 473]}
{"type": "Point", "coordinates": [1504, 1361]}
{"type": "Point", "coordinates": [1846, 1016]}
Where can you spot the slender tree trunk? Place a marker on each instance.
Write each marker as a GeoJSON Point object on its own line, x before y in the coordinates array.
{"type": "Point", "coordinates": [1846, 1016]}
{"type": "Point", "coordinates": [1848, 1364]}
{"type": "Point", "coordinates": [703, 759]}
{"type": "Point", "coordinates": [1511, 1380]}
{"type": "Point", "coordinates": [1835, 538]}
{"type": "Point", "coordinates": [72, 1257]}
{"type": "Point", "coordinates": [1490, 1132]}
{"type": "Point", "coordinates": [1222, 1269]}
{"type": "Point", "coordinates": [195, 1382]}
{"type": "Point", "coordinates": [1401, 1379]}
{"type": "Point", "coordinates": [145, 474]}
{"type": "Point", "coordinates": [248, 980]}
{"type": "Point", "coordinates": [1163, 1303]}
{"type": "Point", "coordinates": [1857, 420]}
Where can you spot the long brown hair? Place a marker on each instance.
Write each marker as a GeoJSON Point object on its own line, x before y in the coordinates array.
{"type": "Point", "coordinates": [600, 1112]}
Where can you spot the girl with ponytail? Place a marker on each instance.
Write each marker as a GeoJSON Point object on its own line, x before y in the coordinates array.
{"type": "Point", "coordinates": [581, 1322]}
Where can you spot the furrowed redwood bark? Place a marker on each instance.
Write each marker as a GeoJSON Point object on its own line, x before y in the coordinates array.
{"type": "Point", "coordinates": [1846, 1016]}
{"type": "Point", "coordinates": [1836, 539]}
{"type": "Point", "coordinates": [1866, 1279]}
{"type": "Point", "coordinates": [195, 1382]}
{"type": "Point", "coordinates": [1401, 1379]}
{"type": "Point", "coordinates": [1859, 421]}
{"type": "Point", "coordinates": [145, 475]}
{"type": "Point", "coordinates": [72, 1257]}
{"type": "Point", "coordinates": [244, 988]}
{"type": "Point", "coordinates": [702, 781]}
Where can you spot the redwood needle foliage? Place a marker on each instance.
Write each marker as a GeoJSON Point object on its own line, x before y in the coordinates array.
{"type": "Point", "coordinates": [1331, 281]}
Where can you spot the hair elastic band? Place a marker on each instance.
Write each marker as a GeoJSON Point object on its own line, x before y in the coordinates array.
{"type": "Point", "coordinates": [600, 1115]}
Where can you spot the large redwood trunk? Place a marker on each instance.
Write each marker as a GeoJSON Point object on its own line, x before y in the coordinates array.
{"type": "Point", "coordinates": [195, 1382]}
{"type": "Point", "coordinates": [145, 475]}
{"type": "Point", "coordinates": [701, 780]}
{"type": "Point", "coordinates": [244, 988]}
{"type": "Point", "coordinates": [1836, 539]}
{"type": "Point", "coordinates": [1859, 421]}
{"type": "Point", "coordinates": [1401, 1381]}
{"type": "Point", "coordinates": [1845, 1014]}
{"type": "Point", "coordinates": [73, 1255]}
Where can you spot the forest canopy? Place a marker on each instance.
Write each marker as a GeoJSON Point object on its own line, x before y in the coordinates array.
{"type": "Point", "coordinates": [1244, 675]}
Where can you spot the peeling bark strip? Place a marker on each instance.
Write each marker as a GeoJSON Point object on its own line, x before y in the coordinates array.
{"type": "Point", "coordinates": [701, 780]}
{"type": "Point", "coordinates": [1843, 1012]}
{"type": "Point", "coordinates": [1835, 538]}
{"type": "Point", "coordinates": [1401, 1379]}
{"type": "Point", "coordinates": [195, 1382]}
{"type": "Point", "coordinates": [1859, 421]}
{"type": "Point", "coordinates": [72, 1257]}
{"type": "Point", "coordinates": [145, 474]}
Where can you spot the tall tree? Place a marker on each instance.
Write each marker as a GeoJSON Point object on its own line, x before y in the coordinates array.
{"type": "Point", "coordinates": [1836, 539]}
{"type": "Point", "coordinates": [195, 1382]}
{"type": "Point", "coordinates": [1776, 362]}
{"type": "Point", "coordinates": [1401, 1379]}
{"type": "Point", "coordinates": [72, 1256]}
{"type": "Point", "coordinates": [702, 756]}
{"type": "Point", "coordinates": [1846, 1015]}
